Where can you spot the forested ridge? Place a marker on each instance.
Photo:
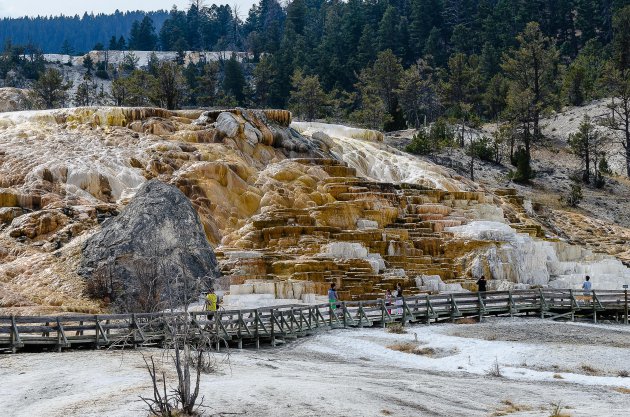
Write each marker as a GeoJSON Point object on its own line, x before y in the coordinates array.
{"type": "Point", "coordinates": [49, 33]}
{"type": "Point", "coordinates": [385, 64]}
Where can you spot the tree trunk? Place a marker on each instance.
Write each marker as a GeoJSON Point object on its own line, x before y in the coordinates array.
{"type": "Point", "coordinates": [587, 159]}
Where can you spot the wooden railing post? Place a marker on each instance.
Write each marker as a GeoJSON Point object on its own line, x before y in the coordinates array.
{"type": "Point", "coordinates": [625, 307]}
{"type": "Point", "coordinates": [382, 303]}
{"type": "Point", "coordinates": [593, 297]}
{"type": "Point", "coordinates": [273, 338]}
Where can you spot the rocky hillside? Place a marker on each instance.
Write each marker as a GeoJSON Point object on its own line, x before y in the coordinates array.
{"type": "Point", "coordinates": [600, 222]}
{"type": "Point", "coordinates": [288, 208]}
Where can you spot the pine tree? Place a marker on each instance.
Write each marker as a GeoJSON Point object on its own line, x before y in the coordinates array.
{"type": "Point", "coordinates": [169, 86]}
{"type": "Point", "coordinates": [142, 35]}
{"type": "Point", "coordinates": [588, 145]}
{"type": "Point", "coordinates": [88, 64]}
{"type": "Point", "coordinates": [51, 88]}
{"type": "Point", "coordinates": [264, 75]}
{"type": "Point", "coordinates": [389, 36]}
{"type": "Point", "coordinates": [308, 99]}
{"type": "Point", "coordinates": [531, 71]}
{"type": "Point", "coordinates": [67, 48]}
{"type": "Point", "coordinates": [418, 95]}
{"type": "Point", "coordinates": [208, 84]}
{"type": "Point", "coordinates": [234, 80]}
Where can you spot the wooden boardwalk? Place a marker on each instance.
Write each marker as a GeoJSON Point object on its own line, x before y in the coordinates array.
{"type": "Point", "coordinates": [273, 325]}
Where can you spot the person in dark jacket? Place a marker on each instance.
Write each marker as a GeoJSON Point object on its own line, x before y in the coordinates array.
{"type": "Point", "coordinates": [481, 286]}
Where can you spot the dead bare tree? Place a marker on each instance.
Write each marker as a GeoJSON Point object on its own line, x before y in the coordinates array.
{"type": "Point", "coordinates": [188, 347]}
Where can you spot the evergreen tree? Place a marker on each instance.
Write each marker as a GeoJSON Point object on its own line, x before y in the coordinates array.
{"type": "Point", "coordinates": [142, 36]}
{"type": "Point", "coordinates": [207, 85]}
{"type": "Point", "coordinates": [88, 64]}
{"type": "Point", "coordinates": [308, 99]}
{"type": "Point", "coordinates": [86, 93]}
{"type": "Point", "coordinates": [51, 89]}
{"type": "Point", "coordinates": [169, 86]}
{"type": "Point", "coordinates": [389, 35]}
{"type": "Point", "coordinates": [383, 79]}
{"type": "Point", "coordinates": [67, 48]}
{"type": "Point", "coordinates": [621, 39]}
{"type": "Point", "coordinates": [425, 15]}
{"type": "Point", "coordinates": [264, 75]}
{"type": "Point", "coordinates": [588, 145]}
{"type": "Point", "coordinates": [418, 95]}
{"type": "Point", "coordinates": [113, 44]}
{"type": "Point", "coordinates": [234, 81]}
{"type": "Point", "coordinates": [531, 71]}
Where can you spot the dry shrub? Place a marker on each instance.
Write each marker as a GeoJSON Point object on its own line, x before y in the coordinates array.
{"type": "Point", "coordinates": [426, 351]}
{"type": "Point", "coordinates": [558, 376]}
{"type": "Point", "coordinates": [623, 390]}
{"type": "Point", "coordinates": [386, 412]}
{"type": "Point", "coordinates": [589, 370]}
{"type": "Point", "coordinates": [495, 369]}
{"type": "Point", "coordinates": [623, 373]}
{"type": "Point", "coordinates": [407, 347]}
{"type": "Point", "coordinates": [466, 320]}
{"type": "Point", "coordinates": [556, 411]}
{"type": "Point", "coordinates": [396, 329]}
{"type": "Point", "coordinates": [509, 407]}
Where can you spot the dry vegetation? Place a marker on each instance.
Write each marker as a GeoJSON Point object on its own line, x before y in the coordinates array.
{"type": "Point", "coordinates": [396, 328]}
{"type": "Point", "coordinates": [509, 407]}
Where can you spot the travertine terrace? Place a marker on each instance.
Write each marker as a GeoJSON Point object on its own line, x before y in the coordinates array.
{"type": "Point", "coordinates": [288, 207]}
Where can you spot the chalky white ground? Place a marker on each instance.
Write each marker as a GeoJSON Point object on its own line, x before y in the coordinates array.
{"type": "Point", "coordinates": [353, 373]}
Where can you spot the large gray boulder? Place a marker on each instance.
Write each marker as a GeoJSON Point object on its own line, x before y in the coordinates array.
{"type": "Point", "coordinates": [153, 256]}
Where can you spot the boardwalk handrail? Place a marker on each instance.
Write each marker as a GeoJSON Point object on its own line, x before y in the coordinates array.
{"type": "Point", "coordinates": [277, 323]}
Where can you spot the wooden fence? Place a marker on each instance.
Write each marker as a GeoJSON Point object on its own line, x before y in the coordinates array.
{"type": "Point", "coordinates": [280, 323]}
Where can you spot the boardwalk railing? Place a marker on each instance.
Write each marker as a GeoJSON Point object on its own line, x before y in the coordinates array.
{"type": "Point", "coordinates": [279, 323]}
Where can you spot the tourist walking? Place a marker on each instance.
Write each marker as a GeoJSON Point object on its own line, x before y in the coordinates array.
{"type": "Point", "coordinates": [388, 300]}
{"type": "Point", "coordinates": [332, 296]}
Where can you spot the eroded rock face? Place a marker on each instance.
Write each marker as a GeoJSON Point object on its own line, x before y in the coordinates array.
{"type": "Point", "coordinates": [13, 99]}
{"type": "Point", "coordinates": [155, 252]}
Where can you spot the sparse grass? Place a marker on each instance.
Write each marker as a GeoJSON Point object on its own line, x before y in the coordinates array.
{"type": "Point", "coordinates": [495, 369]}
{"type": "Point", "coordinates": [624, 373]}
{"type": "Point", "coordinates": [407, 347]}
{"type": "Point", "coordinates": [556, 410]}
{"type": "Point", "coordinates": [491, 337]}
{"type": "Point", "coordinates": [589, 370]}
{"type": "Point", "coordinates": [509, 407]}
{"type": "Point", "coordinates": [396, 328]}
{"type": "Point", "coordinates": [425, 351]}
{"type": "Point", "coordinates": [622, 390]}
{"type": "Point", "coordinates": [558, 376]}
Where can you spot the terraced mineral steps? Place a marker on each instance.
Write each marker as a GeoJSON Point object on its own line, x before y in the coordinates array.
{"type": "Point", "coordinates": [370, 237]}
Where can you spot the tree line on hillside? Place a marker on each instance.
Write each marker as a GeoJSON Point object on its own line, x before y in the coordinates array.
{"type": "Point", "coordinates": [78, 33]}
{"type": "Point", "coordinates": [393, 64]}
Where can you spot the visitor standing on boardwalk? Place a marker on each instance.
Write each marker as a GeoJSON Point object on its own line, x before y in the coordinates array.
{"type": "Point", "coordinates": [587, 285]}
{"type": "Point", "coordinates": [332, 296]}
{"type": "Point", "coordinates": [399, 301]}
{"type": "Point", "coordinates": [481, 286]}
{"type": "Point", "coordinates": [211, 303]}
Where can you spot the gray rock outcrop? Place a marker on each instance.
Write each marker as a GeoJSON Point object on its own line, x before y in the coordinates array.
{"type": "Point", "coordinates": [154, 255]}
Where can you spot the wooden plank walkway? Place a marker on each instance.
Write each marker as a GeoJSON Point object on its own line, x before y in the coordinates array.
{"type": "Point", "coordinates": [273, 325]}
